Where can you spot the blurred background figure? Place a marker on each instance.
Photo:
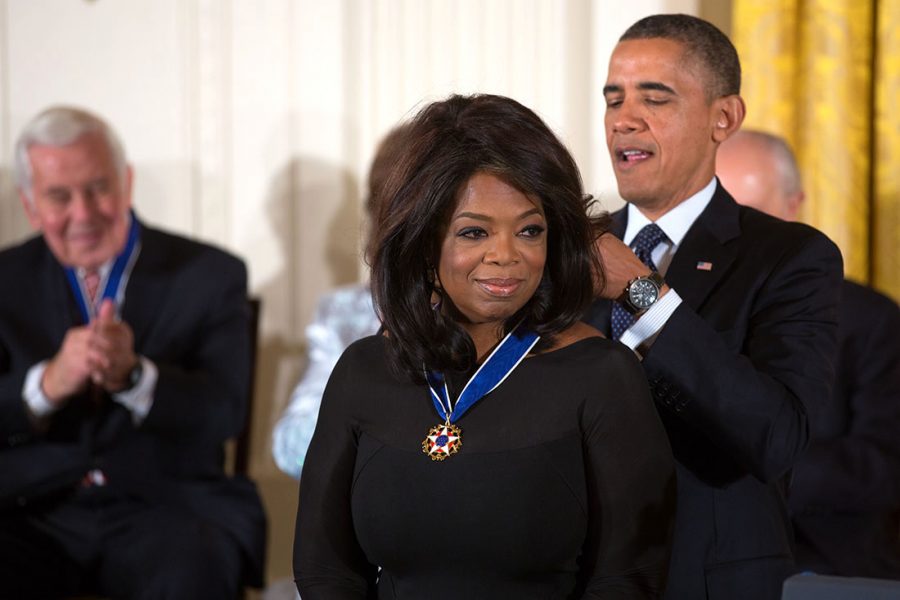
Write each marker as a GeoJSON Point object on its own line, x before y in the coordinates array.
{"type": "Point", "coordinates": [124, 368]}
{"type": "Point", "coordinates": [342, 317]}
{"type": "Point", "coordinates": [845, 494]}
{"type": "Point", "coordinates": [760, 171]}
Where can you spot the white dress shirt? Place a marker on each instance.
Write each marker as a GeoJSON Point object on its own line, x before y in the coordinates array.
{"type": "Point", "coordinates": [675, 224]}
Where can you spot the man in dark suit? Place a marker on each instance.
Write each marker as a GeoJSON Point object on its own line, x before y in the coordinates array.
{"type": "Point", "coordinates": [737, 339]}
{"type": "Point", "coordinates": [845, 492]}
{"type": "Point", "coordinates": [124, 365]}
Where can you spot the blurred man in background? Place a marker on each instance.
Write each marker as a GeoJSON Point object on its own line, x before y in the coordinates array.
{"type": "Point", "coordinates": [124, 364]}
{"type": "Point", "coordinates": [845, 493]}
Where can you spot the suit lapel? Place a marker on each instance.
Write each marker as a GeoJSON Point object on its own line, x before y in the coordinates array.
{"type": "Point", "coordinates": [146, 288]}
{"type": "Point", "coordinates": [705, 255]}
{"type": "Point", "coordinates": [63, 313]}
{"type": "Point", "coordinates": [619, 222]}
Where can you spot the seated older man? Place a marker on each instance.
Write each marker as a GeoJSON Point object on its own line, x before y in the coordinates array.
{"type": "Point", "coordinates": [124, 368]}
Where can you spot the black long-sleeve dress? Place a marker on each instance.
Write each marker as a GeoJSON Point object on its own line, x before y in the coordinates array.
{"type": "Point", "coordinates": [563, 486]}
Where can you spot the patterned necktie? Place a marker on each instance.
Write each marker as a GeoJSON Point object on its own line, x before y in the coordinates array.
{"type": "Point", "coordinates": [644, 242]}
{"type": "Point", "coordinates": [91, 283]}
{"type": "Point", "coordinates": [95, 392]}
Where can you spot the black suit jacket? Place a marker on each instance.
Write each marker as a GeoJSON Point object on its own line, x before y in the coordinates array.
{"type": "Point", "coordinates": [186, 303]}
{"type": "Point", "coordinates": [736, 372]}
{"type": "Point", "coordinates": [845, 496]}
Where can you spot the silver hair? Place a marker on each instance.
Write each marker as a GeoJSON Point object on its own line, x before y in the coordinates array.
{"type": "Point", "coordinates": [59, 126]}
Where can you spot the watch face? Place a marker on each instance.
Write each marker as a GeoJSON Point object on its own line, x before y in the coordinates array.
{"type": "Point", "coordinates": [643, 293]}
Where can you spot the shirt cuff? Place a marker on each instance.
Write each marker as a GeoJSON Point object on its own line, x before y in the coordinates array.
{"type": "Point", "coordinates": [38, 403]}
{"type": "Point", "coordinates": [645, 329]}
{"type": "Point", "coordinates": [139, 399]}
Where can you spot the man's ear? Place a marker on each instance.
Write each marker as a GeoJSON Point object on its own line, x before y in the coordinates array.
{"type": "Point", "coordinates": [128, 183]}
{"type": "Point", "coordinates": [793, 204]}
{"type": "Point", "coordinates": [30, 210]}
{"type": "Point", "coordinates": [728, 112]}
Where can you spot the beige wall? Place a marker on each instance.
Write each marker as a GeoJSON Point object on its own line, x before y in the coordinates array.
{"type": "Point", "coordinates": [251, 124]}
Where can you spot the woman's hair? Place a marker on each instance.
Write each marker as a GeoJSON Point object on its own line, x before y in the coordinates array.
{"type": "Point", "coordinates": [445, 144]}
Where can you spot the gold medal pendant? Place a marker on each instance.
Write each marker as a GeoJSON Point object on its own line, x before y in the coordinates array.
{"type": "Point", "coordinates": [442, 441]}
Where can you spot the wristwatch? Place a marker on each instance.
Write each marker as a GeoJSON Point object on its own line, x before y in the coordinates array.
{"type": "Point", "coordinates": [134, 375]}
{"type": "Point", "coordinates": [641, 293]}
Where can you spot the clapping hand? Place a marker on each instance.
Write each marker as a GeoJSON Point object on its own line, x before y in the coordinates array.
{"type": "Point", "coordinates": [101, 352]}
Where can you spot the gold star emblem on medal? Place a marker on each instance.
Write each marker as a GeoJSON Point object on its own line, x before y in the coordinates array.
{"type": "Point", "coordinates": [442, 441]}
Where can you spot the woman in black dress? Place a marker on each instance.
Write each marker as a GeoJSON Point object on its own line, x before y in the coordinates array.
{"type": "Point", "coordinates": [488, 444]}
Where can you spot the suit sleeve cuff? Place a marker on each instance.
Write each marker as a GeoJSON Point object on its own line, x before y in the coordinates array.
{"type": "Point", "coordinates": [640, 336]}
{"type": "Point", "coordinates": [37, 402]}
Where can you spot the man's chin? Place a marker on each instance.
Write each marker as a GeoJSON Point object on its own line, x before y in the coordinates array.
{"type": "Point", "coordinates": [87, 259]}
{"type": "Point", "coordinates": [636, 195]}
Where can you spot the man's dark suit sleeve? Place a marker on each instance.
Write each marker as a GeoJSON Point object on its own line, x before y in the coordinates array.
{"type": "Point", "coordinates": [14, 421]}
{"type": "Point", "coordinates": [29, 333]}
{"type": "Point", "coordinates": [749, 389]}
{"type": "Point", "coordinates": [859, 469]}
{"type": "Point", "coordinates": [202, 389]}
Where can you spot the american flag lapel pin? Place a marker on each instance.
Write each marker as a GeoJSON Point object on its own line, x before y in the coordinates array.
{"type": "Point", "coordinates": [703, 265]}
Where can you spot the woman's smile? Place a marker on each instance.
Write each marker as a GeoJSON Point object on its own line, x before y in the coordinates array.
{"type": "Point", "coordinates": [500, 287]}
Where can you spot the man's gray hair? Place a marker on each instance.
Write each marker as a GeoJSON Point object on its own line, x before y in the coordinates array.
{"type": "Point", "coordinates": [59, 126]}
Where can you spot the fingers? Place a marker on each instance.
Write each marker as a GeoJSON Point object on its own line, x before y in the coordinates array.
{"type": "Point", "coordinates": [67, 373]}
{"type": "Point", "coordinates": [102, 352]}
{"type": "Point", "coordinates": [111, 334]}
{"type": "Point", "coordinates": [110, 371]}
{"type": "Point", "coordinates": [111, 349]}
{"type": "Point", "coordinates": [107, 312]}
{"type": "Point", "coordinates": [105, 318]}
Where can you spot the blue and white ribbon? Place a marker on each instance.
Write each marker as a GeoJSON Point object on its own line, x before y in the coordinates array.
{"type": "Point", "coordinates": [116, 280]}
{"type": "Point", "coordinates": [494, 371]}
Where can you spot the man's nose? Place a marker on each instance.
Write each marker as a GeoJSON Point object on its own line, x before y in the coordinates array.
{"type": "Point", "coordinates": [627, 118]}
{"type": "Point", "coordinates": [83, 205]}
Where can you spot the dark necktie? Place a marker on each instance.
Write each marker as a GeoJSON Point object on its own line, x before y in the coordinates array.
{"type": "Point", "coordinates": [644, 242]}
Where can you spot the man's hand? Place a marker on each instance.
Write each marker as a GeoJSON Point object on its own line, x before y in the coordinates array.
{"type": "Point", "coordinates": [69, 372]}
{"type": "Point", "coordinates": [111, 350]}
{"type": "Point", "coordinates": [102, 353]}
{"type": "Point", "coordinates": [620, 266]}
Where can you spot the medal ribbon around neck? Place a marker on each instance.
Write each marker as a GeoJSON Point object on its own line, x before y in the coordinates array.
{"type": "Point", "coordinates": [114, 285]}
{"type": "Point", "coordinates": [446, 439]}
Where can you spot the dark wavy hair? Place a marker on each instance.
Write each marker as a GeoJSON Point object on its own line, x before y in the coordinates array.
{"type": "Point", "coordinates": [702, 41]}
{"type": "Point", "coordinates": [445, 144]}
